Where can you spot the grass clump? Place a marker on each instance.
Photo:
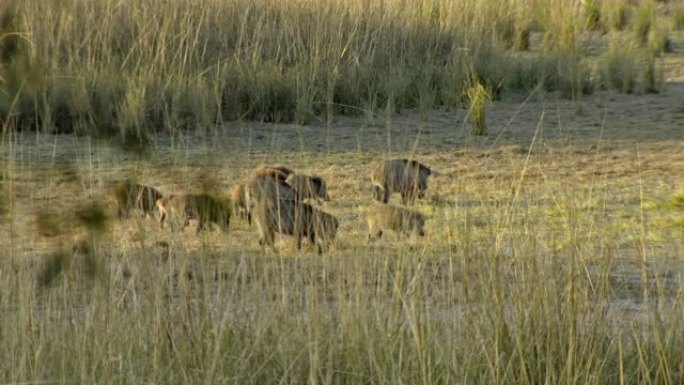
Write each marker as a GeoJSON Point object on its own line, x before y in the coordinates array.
{"type": "Point", "coordinates": [658, 41]}
{"type": "Point", "coordinates": [478, 97]}
{"type": "Point", "coordinates": [678, 200]}
{"type": "Point", "coordinates": [592, 15]}
{"type": "Point", "coordinates": [564, 60]}
{"type": "Point", "coordinates": [618, 68]}
{"type": "Point", "coordinates": [678, 16]}
{"type": "Point", "coordinates": [627, 67]}
{"type": "Point", "coordinates": [615, 14]}
{"type": "Point", "coordinates": [644, 20]}
{"type": "Point", "coordinates": [652, 79]}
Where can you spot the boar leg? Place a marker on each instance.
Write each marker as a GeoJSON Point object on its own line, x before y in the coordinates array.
{"type": "Point", "coordinates": [386, 195]}
{"type": "Point", "coordinates": [377, 192]}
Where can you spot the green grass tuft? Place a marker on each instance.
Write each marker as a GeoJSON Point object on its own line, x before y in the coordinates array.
{"type": "Point", "coordinates": [478, 98]}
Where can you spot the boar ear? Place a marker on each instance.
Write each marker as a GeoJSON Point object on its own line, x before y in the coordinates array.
{"type": "Point", "coordinates": [426, 169]}
{"type": "Point", "coordinates": [318, 181]}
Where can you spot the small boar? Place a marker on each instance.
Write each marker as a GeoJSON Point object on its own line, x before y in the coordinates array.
{"type": "Point", "coordinates": [238, 198]}
{"type": "Point", "coordinates": [278, 172]}
{"type": "Point", "coordinates": [398, 219]}
{"type": "Point", "coordinates": [308, 187]}
{"type": "Point", "coordinates": [205, 208]}
{"type": "Point", "coordinates": [407, 177]}
{"type": "Point", "coordinates": [297, 219]}
{"type": "Point", "coordinates": [131, 195]}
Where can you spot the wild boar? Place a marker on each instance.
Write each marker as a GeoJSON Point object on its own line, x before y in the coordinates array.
{"type": "Point", "coordinates": [407, 177]}
{"type": "Point", "coordinates": [297, 219]}
{"type": "Point", "coordinates": [205, 208]}
{"type": "Point", "coordinates": [266, 189]}
{"type": "Point", "coordinates": [278, 172]}
{"type": "Point", "coordinates": [131, 195]}
{"type": "Point", "coordinates": [238, 198]}
{"type": "Point", "coordinates": [398, 219]}
{"type": "Point", "coordinates": [308, 187]}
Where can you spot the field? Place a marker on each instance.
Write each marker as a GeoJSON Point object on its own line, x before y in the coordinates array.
{"type": "Point", "coordinates": [554, 247]}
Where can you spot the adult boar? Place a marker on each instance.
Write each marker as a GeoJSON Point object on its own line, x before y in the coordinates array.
{"type": "Point", "coordinates": [278, 172]}
{"type": "Point", "coordinates": [297, 219]}
{"type": "Point", "coordinates": [407, 177]}
{"type": "Point", "coordinates": [129, 195]}
{"type": "Point", "coordinates": [266, 190]}
{"type": "Point", "coordinates": [308, 187]}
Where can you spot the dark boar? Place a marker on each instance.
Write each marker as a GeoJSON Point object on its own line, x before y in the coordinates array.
{"type": "Point", "coordinates": [297, 219]}
{"type": "Point", "coordinates": [131, 195]}
{"type": "Point", "coordinates": [407, 177]}
{"type": "Point", "coordinates": [308, 187]}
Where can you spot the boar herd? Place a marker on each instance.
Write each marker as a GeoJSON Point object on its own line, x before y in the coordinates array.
{"type": "Point", "coordinates": [278, 200]}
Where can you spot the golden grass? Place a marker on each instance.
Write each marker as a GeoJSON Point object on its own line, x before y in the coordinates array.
{"type": "Point", "coordinates": [478, 98]}
{"type": "Point", "coordinates": [133, 69]}
{"type": "Point", "coordinates": [554, 243]}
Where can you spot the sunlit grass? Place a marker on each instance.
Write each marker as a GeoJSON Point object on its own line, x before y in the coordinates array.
{"type": "Point", "coordinates": [130, 69]}
{"type": "Point", "coordinates": [549, 257]}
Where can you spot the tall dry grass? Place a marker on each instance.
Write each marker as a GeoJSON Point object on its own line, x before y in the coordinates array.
{"type": "Point", "coordinates": [135, 68]}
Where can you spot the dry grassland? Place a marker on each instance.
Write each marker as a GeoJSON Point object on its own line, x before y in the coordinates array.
{"type": "Point", "coordinates": [569, 214]}
{"type": "Point", "coordinates": [554, 250]}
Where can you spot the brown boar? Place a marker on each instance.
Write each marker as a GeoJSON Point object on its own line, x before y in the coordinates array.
{"type": "Point", "coordinates": [297, 219]}
{"type": "Point", "coordinates": [407, 177]}
{"type": "Point", "coordinates": [238, 198]}
{"type": "Point", "coordinates": [131, 195]}
{"type": "Point", "coordinates": [205, 208]}
{"type": "Point", "coordinates": [266, 189]}
{"type": "Point", "coordinates": [398, 219]}
{"type": "Point", "coordinates": [308, 187]}
{"type": "Point", "coordinates": [278, 172]}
